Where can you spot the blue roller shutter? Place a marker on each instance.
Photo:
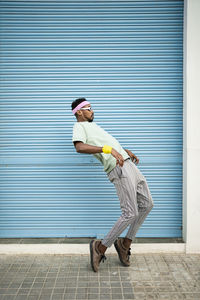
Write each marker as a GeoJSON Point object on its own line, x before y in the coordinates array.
{"type": "Point", "coordinates": [126, 57]}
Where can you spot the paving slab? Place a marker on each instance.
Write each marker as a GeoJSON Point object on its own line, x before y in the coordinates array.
{"type": "Point", "coordinates": [150, 276]}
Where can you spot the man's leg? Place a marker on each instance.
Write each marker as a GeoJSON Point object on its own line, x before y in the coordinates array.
{"type": "Point", "coordinates": [135, 201]}
{"type": "Point", "coordinates": [145, 204]}
{"type": "Point", "coordinates": [126, 192]}
{"type": "Point", "coordinates": [125, 180]}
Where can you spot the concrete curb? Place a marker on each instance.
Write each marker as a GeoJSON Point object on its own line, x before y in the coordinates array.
{"type": "Point", "coordinates": [84, 248]}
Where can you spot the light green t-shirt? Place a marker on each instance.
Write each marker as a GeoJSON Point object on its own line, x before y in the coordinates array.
{"type": "Point", "coordinates": [92, 134]}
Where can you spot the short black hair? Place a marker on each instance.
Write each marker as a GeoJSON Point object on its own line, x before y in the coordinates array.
{"type": "Point", "coordinates": [76, 102]}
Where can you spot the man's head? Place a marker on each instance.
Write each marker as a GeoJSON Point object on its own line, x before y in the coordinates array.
{"type": "Point", "coordinates": [81, 108]}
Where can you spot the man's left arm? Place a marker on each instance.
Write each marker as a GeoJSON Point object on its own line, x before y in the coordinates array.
{"type": "Point", "coordinates": [132, 156]}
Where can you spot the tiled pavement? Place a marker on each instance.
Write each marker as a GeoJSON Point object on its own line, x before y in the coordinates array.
{"type": "Point", "coordinates": [151, 276]}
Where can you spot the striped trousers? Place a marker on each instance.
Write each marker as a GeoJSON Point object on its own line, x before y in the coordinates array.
{"type": "Point", "coordinates": [135, 200]}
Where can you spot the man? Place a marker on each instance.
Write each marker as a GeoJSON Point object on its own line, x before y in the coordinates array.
{"type": "Point", "coordinates": [131, 186]}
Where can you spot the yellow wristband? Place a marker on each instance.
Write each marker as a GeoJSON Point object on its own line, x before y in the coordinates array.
{"type": "Point", "coordinates": [107, 149]}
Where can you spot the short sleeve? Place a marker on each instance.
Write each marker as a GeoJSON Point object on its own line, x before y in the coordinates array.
{"type": "Point", "coordinates": [78, 133]}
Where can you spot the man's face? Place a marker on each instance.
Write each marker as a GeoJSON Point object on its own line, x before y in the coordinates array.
{"type": "Point", "coordinates": [87, 113]}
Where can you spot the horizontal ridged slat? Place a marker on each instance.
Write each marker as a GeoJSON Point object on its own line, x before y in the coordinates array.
{"type": "Point", "coordinates": [126, 57]}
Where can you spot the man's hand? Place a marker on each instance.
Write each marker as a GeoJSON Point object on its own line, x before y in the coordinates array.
{"type": "Point", "coordinates": [132, 156]}
{"type": "Point", "coordinates": [118, 156]}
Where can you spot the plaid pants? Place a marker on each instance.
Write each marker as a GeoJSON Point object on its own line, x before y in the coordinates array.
{"type": "Point", "coordinates": [135, 200]}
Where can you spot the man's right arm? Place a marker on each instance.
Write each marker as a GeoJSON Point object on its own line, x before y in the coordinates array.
{"type": "Point", "coordinates": [85, 148]}
{"type": "Point", "coordinates": [89, 149]}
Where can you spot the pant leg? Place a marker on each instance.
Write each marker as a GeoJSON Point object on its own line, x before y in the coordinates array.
{"type": "Point", "coordinates": [145, 204]}
{"type": "Point", "coordinates": [125, 180]}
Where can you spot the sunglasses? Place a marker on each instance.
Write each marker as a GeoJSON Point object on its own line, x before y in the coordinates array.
{"type": "Point", "coordinates": [86, 108]}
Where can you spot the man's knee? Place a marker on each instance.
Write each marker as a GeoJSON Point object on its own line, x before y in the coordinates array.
{"type": "Point", "coordinates": [145, 204]}
{"type": "Point", "coordinates": [150, 205]}
{"type": "Point", "coordinates": [130, 216]}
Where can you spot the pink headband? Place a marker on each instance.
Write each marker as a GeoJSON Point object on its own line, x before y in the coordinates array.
{"type": "Point", "coordinates": [80, 106]}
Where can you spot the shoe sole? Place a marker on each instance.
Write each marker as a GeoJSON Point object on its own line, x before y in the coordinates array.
{"type": "Point", "coordinates": [91, 256]}
{"type": "Point", "coordinates": [118, 251]}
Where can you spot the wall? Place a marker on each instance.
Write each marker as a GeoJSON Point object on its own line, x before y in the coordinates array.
{"type": "Point", "coordinates": [192, 126]}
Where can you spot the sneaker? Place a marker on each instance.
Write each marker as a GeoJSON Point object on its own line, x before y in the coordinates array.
{"type": "Point", "coordinates": [95, 256]}
{"type": "Point", "coordinates": [124, 253]}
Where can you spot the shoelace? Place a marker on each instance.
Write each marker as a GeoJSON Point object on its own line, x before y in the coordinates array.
{"type": "Point", "coordinates": [129, 253]}
{"type": "Point", "coordinates": [103, 258]}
